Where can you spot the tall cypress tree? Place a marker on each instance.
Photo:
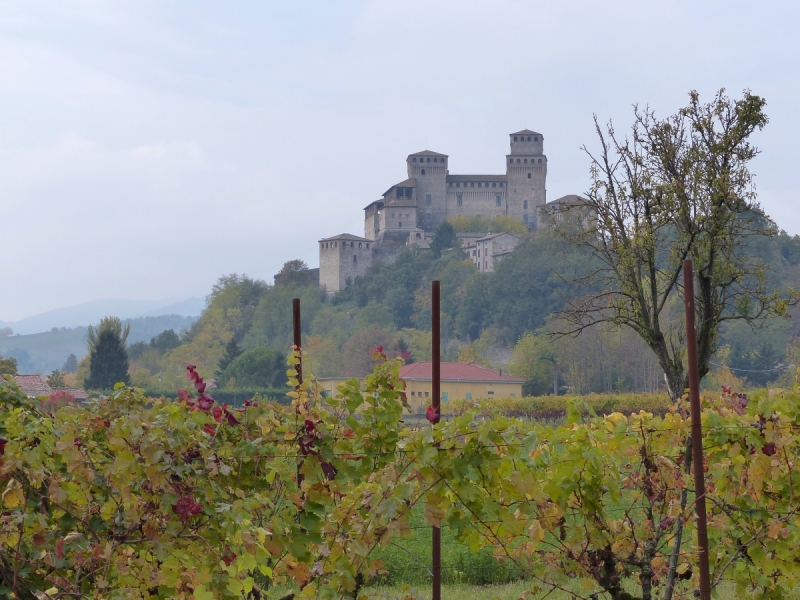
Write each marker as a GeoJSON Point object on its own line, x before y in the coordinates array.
{"type": "Point", "coordinates": [108, 359]}
{"type": "Point", "coordinates": [232, 352]}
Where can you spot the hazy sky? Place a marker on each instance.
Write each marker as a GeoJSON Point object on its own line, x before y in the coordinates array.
{"type": "Point", "coordinates": [147, 148]}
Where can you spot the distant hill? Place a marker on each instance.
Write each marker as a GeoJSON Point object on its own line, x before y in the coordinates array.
{"type": "Point", "coordinates": [82, 315]}
{"type": "Point", "coordinates": [43, 352]}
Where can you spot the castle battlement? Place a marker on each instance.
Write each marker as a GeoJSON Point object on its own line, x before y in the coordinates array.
{"type": "Point", "coordinates": [430, 195]}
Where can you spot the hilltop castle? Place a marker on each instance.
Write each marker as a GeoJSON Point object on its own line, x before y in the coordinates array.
{"type": "Point", "coordinates": [409, 211]}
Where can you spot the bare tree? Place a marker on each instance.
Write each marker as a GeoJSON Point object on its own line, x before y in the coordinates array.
{"type": "Point", "coordinates": [677, 188]}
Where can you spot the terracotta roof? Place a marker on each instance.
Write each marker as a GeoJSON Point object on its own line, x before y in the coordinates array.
{"type": "Point", "coordinates": [452, 371]}
{"type": "Point", "coordinates": [525, 132]}
{"type": "Point", "coordinates": [427, 153]}
{"type": "Point", "coordinates": [77, 393]}
{"type": "Point", "coordinates": [345, 236]}
{"type": "Point", "coordinates": [33, 386]}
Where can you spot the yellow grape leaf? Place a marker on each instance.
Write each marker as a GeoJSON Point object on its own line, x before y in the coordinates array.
{"type": "Point", "coordinates": [13, 496]}
{"type": "Point", "coordinates": [201, 593]}
{"type": "Point", "coordinates": [682, 568]}
{"type": "Point", "coordinates": [535, 531]}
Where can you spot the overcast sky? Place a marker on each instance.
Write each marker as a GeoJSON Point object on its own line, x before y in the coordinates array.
{"type": "Point", "coordinates": [146, 148]}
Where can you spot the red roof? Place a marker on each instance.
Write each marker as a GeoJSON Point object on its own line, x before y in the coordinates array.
{"type": "Point", "coordinates": [33, 386]}
{"type": "Point", "coordinates": [77, 393]}
{"type": "Point", "coordinates": [452, 371]}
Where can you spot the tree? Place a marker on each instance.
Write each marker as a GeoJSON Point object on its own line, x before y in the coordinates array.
{"type": "Point", "coordinates": [8, 366]}
{"type": "Point", "coordinates": [358, 359]}
{"type": "Point", "coordinates": [232, 352]}
{"type": "Point", "coordinates": [678, 188]}
{"type": "Point", "coordinates": [293, 272]}
{"type": "Point", "coordinates": [70, 365]}
{"type": "Point", "coordinates": [443, 238]}
{"type": "Point", "coordinates": [534, 360]}
{"type": "Point", "coordinates": [108, 359]}
{"type": "Point", "coordinates": [257, 368]}
{"type": "Point", "coordinates": [6, 332]}
{"type": "Point", "coordinates": [56, 379]}
{"type": "Point", "coordinates": [165, 341]}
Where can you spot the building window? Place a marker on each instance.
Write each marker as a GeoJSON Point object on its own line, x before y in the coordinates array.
{"type": "Point", "coordinates": [513, 395]}
{"type": "Point", "coordinates": [429, 159]}
{"type": "Point", "coordinates": [515, 138]}
{"type": "Point", "coordinates": [413, 394]}
{"type": "Point", "coordinates": [367, 246]}
{"type": "Point", "coordinates": [494, 184]}
{"type": "Point", "coordinates": [529, 138]}
{"type": "Point", "coordinates": [473, 253]}
{"type": "Point", "coordinates": [517, 161]}
{"type": "Point", "coordinates": [525, 161]}
{"type": "Point", "coordinates": [359, 244]}
{"type": "Point", "coordinates": [419, 237]}
{"type": "Point", "coordinates": [497, 201]}
{"type": "Point", "coordinates": [490, 392]}
{"type": "Point", "coordinates": [423, 171]}
{"type": "Point", "coordinates": [472, 184]}
{"type": "Point", "coordinates": [352, 244]}
{"type": "Point", "coordinates": [468, 396]}
{"type": "Point", "coordinates": [501, 184]}
{"type": "Point", "coordinates": [529, 175]}
{"type": "Point", "coordinates": [540, 161]}
{"type": "Point", "coordinates": [525, 204]}
{"type": "Point", "coordinates": [355, 258]}
{"type": "Point", "coordinates": [414, 160]}
{"type": "Point", "coordinates": [428, 199]}
{"type": "Point", "coordinates": [460, 199]}
{"type": "Point", "coordinates": [400, 224]}
{"type": "Point", "coordinates": [525, 217]}
{"type": "Point", "coordinates": [426, 394]}
{"type": "Point", "coordinates": [435, 160]}
{"type": "Point", "coordinates": [536, 138]}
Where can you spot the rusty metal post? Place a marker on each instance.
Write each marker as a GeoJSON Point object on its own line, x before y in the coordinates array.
{"type": "Point", "coordinates": [299, 370]}
{"type": "Point", "coordinates": [436, 380]}
{"type": "Point", "coordinates": [697, 431]}
{"type": "Point", "coordinates": [297, 337]}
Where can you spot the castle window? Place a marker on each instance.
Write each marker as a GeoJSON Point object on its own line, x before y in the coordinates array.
{"type": "Point", "coordinates": [352, 245]}
{"type": "Point", "coordinates": [355, 258]}
{"type": "Point", "coordinates": [517, 161]}
{"type": "Point", "coordinates": [359, 244]}
{"type": "Point", "coordinates": [540, 160]}
{"type": "Point", "coordinates": [429, 159]}
{"type": "Point", "coordinates": [419, 237]}
{"type": "Point", "coordinates": [460, 199]}
{"type": "Point", "coordinates": [525, 204]}
{"type": "Point", "coordinates": [367, 246]}
{"type": "Point", "coordinates": [525, 217]}
{"type": "Point", "coordinates": [423, 171]}
{"type": "Point", "coordinates": [511, 161]}
{"type": "Point", "coordinates": [497, 201]}
{"type": "Point", "coordinates": [494, 184]}
{"type": "Point", "coordinates": [400, 224]}
{"type": "Point", "coordinates": [479, 184]}
{"type": "Point", "coordinates": [501, 184]}
{"type": "Point", "coordinates": [529, 175]}
{"type": "Point", "coordinates": [529, 138]}
{"type": "Point", "coordinates": [473, 253]}
{"type": "Point", "coordinates": [526, 161]}
{"type": "Point", "coordinates": [515, 138]}
{"type": "Point", "coordinates": [536, 138]}
{"type": "Point", "coordinates": [472, 184]}
{"type": "Point", "coordinates": [428, 199]}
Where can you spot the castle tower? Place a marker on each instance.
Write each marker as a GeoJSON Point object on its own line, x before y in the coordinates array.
{"type": "Point", "coordinates": [342, 258]}
{"type": "Point", "coordinates": [526, 172]}
{"type": "Point", "coordinates": [429, 171]}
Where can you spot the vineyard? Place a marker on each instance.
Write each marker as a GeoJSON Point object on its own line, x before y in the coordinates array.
{"type": "Point", "coordinates": [132, 497]}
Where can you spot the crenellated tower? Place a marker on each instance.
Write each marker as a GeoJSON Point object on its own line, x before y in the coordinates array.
{"type": "Point", "coordinates": [429, 171]}
{"type": "Point", "coordinates": [526, 173]}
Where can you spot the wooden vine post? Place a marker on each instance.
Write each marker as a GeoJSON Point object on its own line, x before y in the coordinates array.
{"type": "Point", "coordinates": [697, 430]}
{"type": "Point", "coordinates": [436, 553]}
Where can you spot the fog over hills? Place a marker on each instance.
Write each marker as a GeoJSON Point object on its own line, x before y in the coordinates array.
{"type": "Point", "coordinates": [89, 313]}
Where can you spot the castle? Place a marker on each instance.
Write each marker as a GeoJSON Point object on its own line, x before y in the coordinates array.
{"type": "Point", "coordinates": [409, 211]}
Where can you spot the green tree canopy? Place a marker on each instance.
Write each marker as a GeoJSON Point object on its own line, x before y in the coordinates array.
{"type": "Point", "coordinates": [8, 366]}
{"type": "Point", "coordinates": [232, 352]}
{"type": "Point", "coordinates": [70, 365]}
{"type": "Point", "coordinates": [108, 359]}
{"type": "Point", "coordinates": [258, 368]}
{"type": "Point", "coordinates": [443, 238]}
